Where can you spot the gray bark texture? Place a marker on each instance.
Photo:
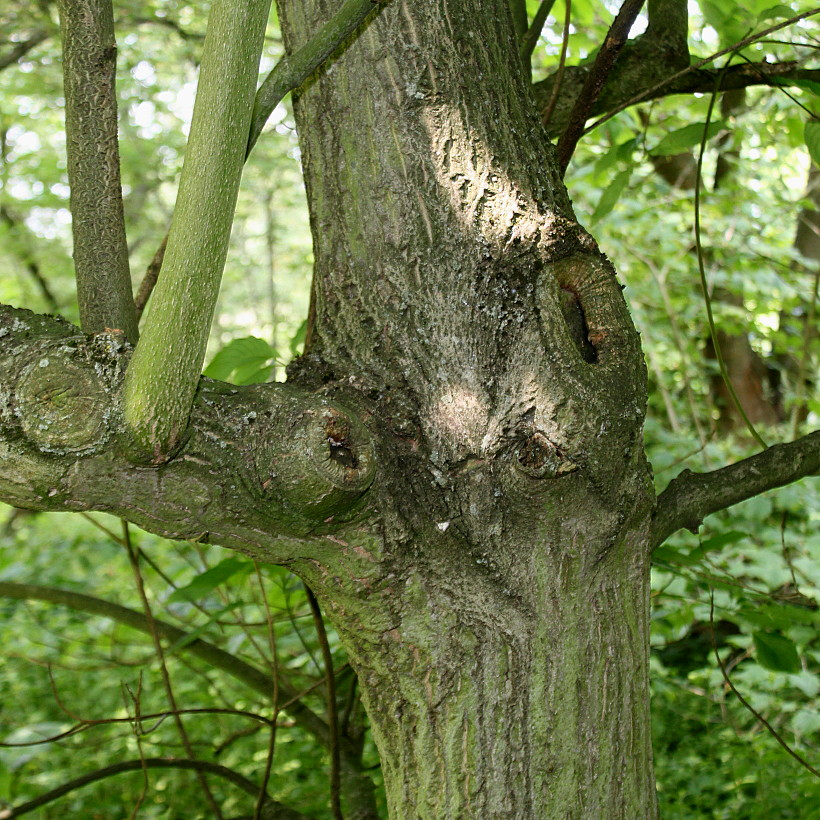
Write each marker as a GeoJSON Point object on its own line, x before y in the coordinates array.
{"type": "Point", "coordinates": [505, 666]}
{"type": "Point", "coordinates": [455, 465]}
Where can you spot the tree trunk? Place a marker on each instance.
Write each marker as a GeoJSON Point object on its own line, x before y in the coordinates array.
{"type": "Point", "coordinates": [497, 612]}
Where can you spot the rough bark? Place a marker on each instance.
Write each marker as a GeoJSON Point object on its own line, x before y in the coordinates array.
{"type": "Point", "coordinates": [456, 465]}
{"type": "Point", "coordinates": [449, 270]}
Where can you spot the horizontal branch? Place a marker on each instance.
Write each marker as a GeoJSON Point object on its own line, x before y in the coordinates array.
{"type": "Point", "coordinates": [280, 812]}
{"type": "Point", "coordinates": [690, 497]}
{"type": "Point", "coordinates": [262, 469]}
{"type": "Point", "coordinates": [640, 76]}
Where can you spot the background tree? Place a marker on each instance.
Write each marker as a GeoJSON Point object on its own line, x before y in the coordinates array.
{"type": "Point", "coordinates": [455, 465]}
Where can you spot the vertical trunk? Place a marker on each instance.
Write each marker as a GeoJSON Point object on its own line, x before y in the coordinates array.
{"type": "Point", "coordinates": [499, 618]}
{"type": "Point", "coordinates": [510, 704]}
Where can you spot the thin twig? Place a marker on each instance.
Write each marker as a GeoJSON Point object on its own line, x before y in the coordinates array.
{"type": "Point", "coordinates": [772, 731]}
{"type": "Point", "coordinates": [166, 678]}
{"type": "Point", "coordinates": [146, 287]}
{"type": "Point", "coordinates": [724, 372]}
{"type": "Point", "coordinates": [595, 79]}
{"type": "Point", "coordinates": [559, 74]}
{"type": "Point", "coordinates": [530, 38]}
{"type": "Point", "coordinates": [332, 711]}
{"type": "Point", "coordinates": [275, 699]}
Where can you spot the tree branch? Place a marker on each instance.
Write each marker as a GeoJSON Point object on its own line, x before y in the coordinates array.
{"type": "Point", "coordinates": [97, 221]}
{"type": "Point", "coordinates": [690, 497]}
{"type": "Point", "coordinates": [284, 813]}
{"type": "Point", "coordinates": [291, 71]}
{"type": "Point", "coordinates": [22, 48]}
{"type": "Point", "coordinates": [164, 371]}
{"type": "Point", "coordinates": [655, 65]}
{"type": "Point", "coordinates": [261, 467]}
{"type": "Point", "coordinates": [532, 34]}
{"type": "Point", "coordinates": [595, 79]}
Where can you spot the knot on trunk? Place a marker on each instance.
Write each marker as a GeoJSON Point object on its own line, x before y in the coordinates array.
{"type": "Point", "coordinates": [538, 457]}
{"type": "Point", "coordinates": [323, 464]}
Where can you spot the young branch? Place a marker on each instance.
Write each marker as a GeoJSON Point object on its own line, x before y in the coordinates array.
{"type": "Point", "coordinates": [291, 71]}
{"type": "Point", "coordinates": [19, 50]}
{"type": "Point", "coordinates": [166, 366]}
{"type": "Point", "coordinates": [201, 766]}
{"type": "Point", "coordinates": [286, 76]}
{"type": "Point", "coordinates": [692, 496]}
{"type": "Point", "coordinates": [97, 221]}
{"type": "Point", "coordinates": [595, 79]}
{"type": "Point", "coordinates": [518, 10]}
{"type": "Point", "coordinates": [332, 710]}
{"type": "Point", "coordinates": [530, 38]}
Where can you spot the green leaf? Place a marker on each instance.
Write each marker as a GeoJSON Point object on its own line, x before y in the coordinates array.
{"type": "Point", "coordinates": [775, 12]}
{"type": "Point", "coordinates": [207, 581]}
{"type": "Point", "coordinates": [617, 153]}
{"type": "Point", "coordinates": [611, 195]}
{"type": "Point", "coordinates": [690, 135]}
{"type": "Point", "coordinates": [671, 558]}
{"type": "Point", "coordinates": [776, 652]}
{"type": "Point", "coordinates": [247, 360]}
{"type": "Point", "coordinates": [298, 339]}
{"type": "Point", "coordinates": [811, 133]}
{"type": "Point", "coordinates": [718, 541]}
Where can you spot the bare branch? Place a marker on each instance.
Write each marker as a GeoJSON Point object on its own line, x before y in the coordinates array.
{"type": "Point", "coordinates": [22, 48]}
{"type": "Point", "coordinates": [291, 71]}
{"type": "Point", "coordinates": [690, 497]}
{"type": "Point", "coordinates": [97, 221]}
{"type": "Point", "coordinates": [601, 68]}
{"type": "Point", "coordinates": [532, 34]}
{"type": "Point", "coordinates": [149, 281]}
{"type": "Point", "coordinates": [201, 766]}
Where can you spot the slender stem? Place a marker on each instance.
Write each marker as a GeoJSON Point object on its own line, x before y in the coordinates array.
{"type": "Point", "coordinates": [745, 703]}
{"type": "Point", "coordinates": [165, 369]}
{"type": "Point", "coordinates": [149, 281]}
{"type": "Point", "coordinates": [275, 699]}
{"type": "Point", "coordinates": [166, 677]}
{"type": "Point", "coordinates": [595, 79]}
{"type": "Point", "coordinates": [530, 39]}
{"type": "Point", "coordinates": [332, 710]}
{"type": "Point", "coordinates": [291, 71]}
{"type": "Point", "coordinates": [546, 114]}
{"type": "Point", "coordinates": [97, 221]}
{"type": "Point", "coordinates": [702, 270]}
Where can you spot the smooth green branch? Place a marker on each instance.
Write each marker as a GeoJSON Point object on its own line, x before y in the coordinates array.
{"type": "Point", "coordinates": [97, 222]}
{"type": "Point", "coordinates": [690, 497]}
{"type": "Point", "coordinates": [164, 372]}
{"type": "Point", "coordinates": [291, 71]}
